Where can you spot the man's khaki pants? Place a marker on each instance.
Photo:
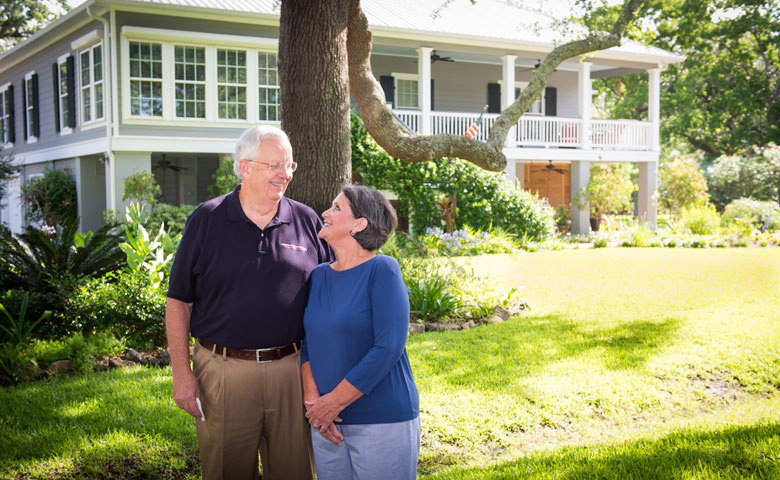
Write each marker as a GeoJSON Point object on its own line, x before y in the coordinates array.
{"type": "Point", "coordinates": [252, 407]}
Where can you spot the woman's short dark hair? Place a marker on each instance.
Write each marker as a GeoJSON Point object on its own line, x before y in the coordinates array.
{"type": "Point", "coordinates": [370, 204]}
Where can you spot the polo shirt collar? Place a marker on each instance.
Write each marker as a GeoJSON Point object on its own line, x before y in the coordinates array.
{"type": "Point", "coordinates": [236, 213]}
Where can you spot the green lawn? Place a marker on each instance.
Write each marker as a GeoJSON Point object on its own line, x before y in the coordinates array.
{"type": "Point", "coordinates": [634, 363]}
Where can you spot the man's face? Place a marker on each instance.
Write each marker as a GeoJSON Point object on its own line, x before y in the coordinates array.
{"type": "Point", "coordinates": [262, 179]}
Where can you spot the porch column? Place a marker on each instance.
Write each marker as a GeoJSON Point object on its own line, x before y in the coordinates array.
{"type": "Point", "coordinates": [580, 217]}
{"type": "Point", "coordinates": [648, 186]}
{"type": "Point", "coordinates": [424, 88]}
{"type": "Point", "coordinates": [507, 99]}
{"type": "Point", "coordinates": [126, 163]}
{"type": "Point", "coordinates": [91, 187]}
{"type": "Point", "coordinates": [585, 100]}
{"type": "Point", "coordinates": [654, 107]}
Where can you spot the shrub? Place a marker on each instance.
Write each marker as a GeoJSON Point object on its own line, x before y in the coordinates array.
{"type": "Point", "coordinates": [142, 188]}
{"type": "Point", "coordinates": [51, 199]}
{"type": "Point", "coordinates": [763, 215]}
{"type": "Point", "coordinates": [19, 327]}
{"type": "Point", "coordinates": [171, 216]}
{"type": "Point", "coordinates": [225, 179]}
{"type": "Point", "coordinates": [437, 242]}
{"type": "Point", "coordinates": [485, 200]}
{"type": "Point", "coordinates": [432, 300]}
{"type": "Point", "coordinates": [682, 184]}
{"type": "Point", "coordinates": [126, 304]}
{"type": "Point", "coordinates": [754, 174]}
{"type": "Point", "coordinates": [609, 189]}
{"type": "Point", "coordinates": [701, 219]}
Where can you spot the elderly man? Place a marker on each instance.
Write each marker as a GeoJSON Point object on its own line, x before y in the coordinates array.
{"type": "Point", "coordinates": [239, 286]}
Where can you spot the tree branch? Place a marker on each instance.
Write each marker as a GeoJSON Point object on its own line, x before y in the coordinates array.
{"type": "Point", "coordinates": [408, 146]}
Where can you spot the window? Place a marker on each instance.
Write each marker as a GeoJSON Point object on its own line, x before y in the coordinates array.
{"type": "Point", "coordinates": [406, 91]}
{"type": "Point", "coordinates": [91, 79]}
{"type": "Point", "coordinates": [197, 78]}
{"type": "Point", "coordinates": [231, 84]}
{"type": "Point", "coordinates": [65, 94]}
{"type": "Point", "coordinates": [6, 114]}
{"type": "Point", "coordinates": [190, 78]}
{"type": "Point", "coordinates": [268, 86]}
{"type": "Point", "coordinates": [537, 107]}
{"type": "Point", "coordinates": [145, 79]}
{"type": "Point", "coordinates": [31, 119]}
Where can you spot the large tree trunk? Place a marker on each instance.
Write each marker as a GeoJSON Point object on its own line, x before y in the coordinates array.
{"type": "Point", "coordinates": [315, 97]}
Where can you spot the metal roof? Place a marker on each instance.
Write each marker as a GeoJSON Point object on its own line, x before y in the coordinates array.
{"type": "Point", "coordinates": [457, 22]}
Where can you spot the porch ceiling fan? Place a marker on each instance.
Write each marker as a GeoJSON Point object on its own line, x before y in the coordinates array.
{"type": "Point", "coordinates": [166, 165]}
{"type": "Point", "coordinates": [436, 57]}
{"type": "Point", "coordinates": [550, 168]}
{"type": "Point", "coordinates": [536, 66]}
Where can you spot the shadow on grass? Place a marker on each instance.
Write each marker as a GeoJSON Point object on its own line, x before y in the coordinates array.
{"type": "Point", "coordinates": [733, 452]}
{"type": "Point", "coordinates": [495, 354]}
{"type": "Point", "coordinates": [119, 424]}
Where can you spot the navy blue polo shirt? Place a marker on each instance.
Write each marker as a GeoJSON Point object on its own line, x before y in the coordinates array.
{"type": "Point", "coordinates": [248, 286]}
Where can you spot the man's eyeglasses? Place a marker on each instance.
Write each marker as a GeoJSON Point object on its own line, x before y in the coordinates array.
{"type": "Point", "coordinates": [277, 165]}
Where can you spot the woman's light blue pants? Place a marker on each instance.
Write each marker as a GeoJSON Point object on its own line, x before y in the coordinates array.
{"type": "Point", "coordinates": [379, 451]}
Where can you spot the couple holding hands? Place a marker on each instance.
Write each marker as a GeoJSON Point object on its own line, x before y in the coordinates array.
{"type": "Point", "coordinates": [297, 350]}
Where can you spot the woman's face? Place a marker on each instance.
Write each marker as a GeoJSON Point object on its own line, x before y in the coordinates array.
{"type": "Point", "coordinates": [338, 220]}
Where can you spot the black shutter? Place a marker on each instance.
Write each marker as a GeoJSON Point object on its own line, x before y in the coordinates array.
{"type": "Point", "coordinates": [71, 92]}
{"type": "Point", "coordinates": [494, 98]}
{"type": "Point", "coordinates": [431, 94]}
{"type": "Point", "coordinates": [24, 108]}
{"type": "Point", "coordinates": [36, 118]}
{"type": "Point", "coordinates": [9, 108]}
{"type": "Point", "coordinates": [388, 85]}
{"type": "Point", "coordinates": [55, 78]}
{"type": "Point", "coordinates": [551, 101]}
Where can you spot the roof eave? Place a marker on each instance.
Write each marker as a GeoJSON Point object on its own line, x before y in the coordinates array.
{"type": "Point", "coordinates": [395, 33]}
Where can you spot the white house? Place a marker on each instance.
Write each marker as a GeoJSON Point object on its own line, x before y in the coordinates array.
{"type": "Point", "coordinates": [168, 85]}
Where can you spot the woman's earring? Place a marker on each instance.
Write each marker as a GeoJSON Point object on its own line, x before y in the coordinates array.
{"type": "Point", "coordinates": [352, 233]}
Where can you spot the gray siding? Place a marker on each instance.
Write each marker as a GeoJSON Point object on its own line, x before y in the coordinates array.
{"type": "Point", "coordinates": [41, 63]}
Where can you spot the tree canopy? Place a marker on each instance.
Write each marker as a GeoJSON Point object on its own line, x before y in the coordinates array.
{"type": "Point", "coordinates": [726, 95]}
{"type": "Point", "coordinates": [21, 18]}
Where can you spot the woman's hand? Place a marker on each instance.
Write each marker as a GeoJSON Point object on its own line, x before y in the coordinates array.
{"type": "Point", "coordinates": [323, 411]}
{"type": "Point", "coordinates": [328, 430]}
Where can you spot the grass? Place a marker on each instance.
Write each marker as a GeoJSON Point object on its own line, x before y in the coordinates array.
{"type": "Point", "coordinates": [634, 363]}
{"type": "Point", "coordinates": [622, 344]}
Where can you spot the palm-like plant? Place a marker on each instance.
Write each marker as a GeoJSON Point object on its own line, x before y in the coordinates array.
{"type": "Point", "coordinates": [40, 260]}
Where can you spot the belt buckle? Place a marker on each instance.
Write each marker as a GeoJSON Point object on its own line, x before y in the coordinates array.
{"type": "Point", "coordinates": [257, 354]}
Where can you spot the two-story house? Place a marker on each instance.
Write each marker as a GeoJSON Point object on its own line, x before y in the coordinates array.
{"type": "Point", "coordinates": [117, 86]}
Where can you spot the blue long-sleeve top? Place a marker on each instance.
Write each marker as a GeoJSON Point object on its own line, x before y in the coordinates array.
{"type": "Point", "coordinates": [356, 324]}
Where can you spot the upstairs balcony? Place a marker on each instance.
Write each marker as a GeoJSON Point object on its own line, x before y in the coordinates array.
{"type": "Point", "coordinates": [543, 132]}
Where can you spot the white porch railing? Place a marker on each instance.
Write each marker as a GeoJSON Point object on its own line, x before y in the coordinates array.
{"type": "Point", "coordinates": [542, 132]}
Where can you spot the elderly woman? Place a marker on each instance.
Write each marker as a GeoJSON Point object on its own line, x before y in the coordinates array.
{"type": "Point", "coordinates": [360, 396]}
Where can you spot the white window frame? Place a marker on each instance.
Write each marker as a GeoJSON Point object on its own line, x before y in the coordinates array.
{"type": "Point", "coordinates": [28, 117]}
{"type": "Point", "coordinates": [203, 83]}
{"type": "Point", "coordinates": [406, 77]}
{"type": "Point", "coordinates": [62, 100]}
{"type": "Point", "coordinates": [4, 115]}
{"type": "Point", "coordinates": [88, 91]}
{"type": "Point", "coordinates": [211, 42]}
{"type": "Point", "coordinates": [233, 84]}
{"type": "Point", "coordinates": [164, 62]}
{"type": "Point", "coordinates": [269, 86]}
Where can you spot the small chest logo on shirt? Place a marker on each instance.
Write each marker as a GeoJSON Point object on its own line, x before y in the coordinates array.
{"type": "Point", "coordinates": [297, 248]}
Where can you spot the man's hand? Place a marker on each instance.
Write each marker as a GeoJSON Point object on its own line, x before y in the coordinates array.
{"type": "Point", "coordinates": [185, 390]}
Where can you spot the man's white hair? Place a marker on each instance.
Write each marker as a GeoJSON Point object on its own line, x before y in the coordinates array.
{"type": "Point", "coordinates": [249, 142]}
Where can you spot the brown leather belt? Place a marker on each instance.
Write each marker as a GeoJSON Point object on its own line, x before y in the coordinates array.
{"type": "Point", "coordinates": [260, 355]}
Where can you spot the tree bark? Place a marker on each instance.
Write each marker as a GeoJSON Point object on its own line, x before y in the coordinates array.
{"type": "Point", "coordinates": [315, 97]}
